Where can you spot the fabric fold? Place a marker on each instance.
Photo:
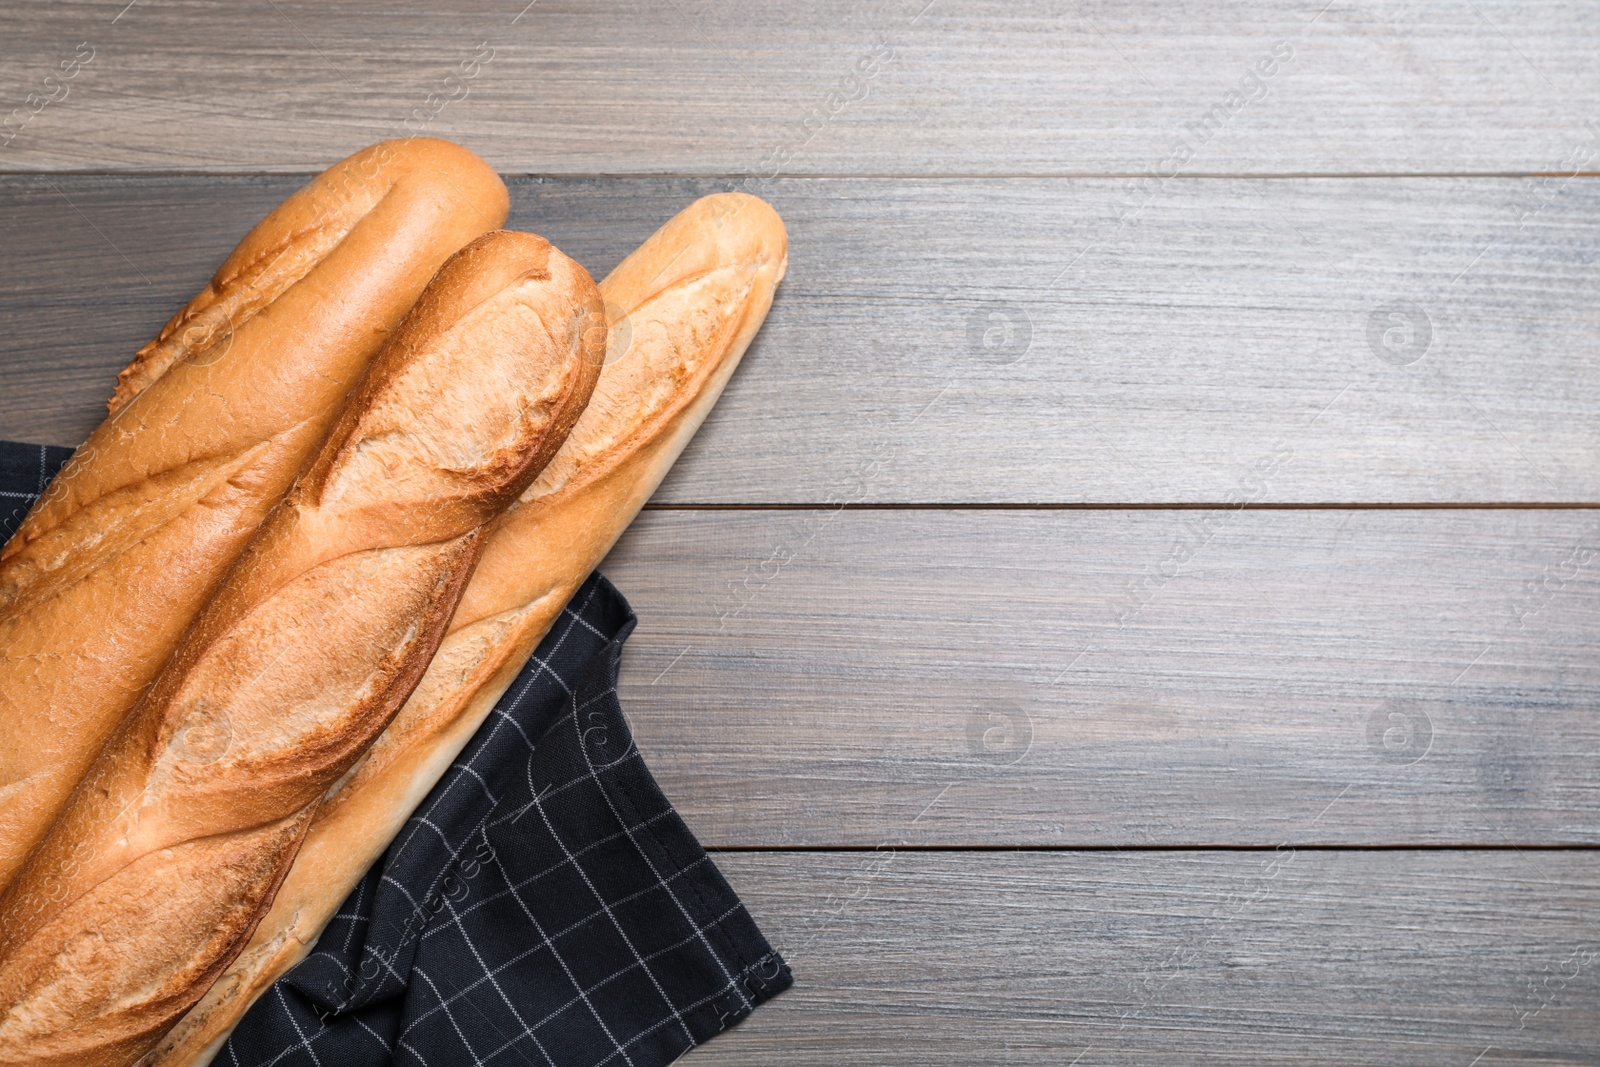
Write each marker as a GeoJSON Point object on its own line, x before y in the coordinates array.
{"type": "Point", "coordinates": [544, 905]}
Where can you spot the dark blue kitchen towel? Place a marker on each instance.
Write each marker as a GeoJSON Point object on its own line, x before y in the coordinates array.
{"type": "Point", "coordinates": [544, 905]}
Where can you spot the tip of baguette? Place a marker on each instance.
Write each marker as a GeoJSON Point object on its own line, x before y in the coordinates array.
{"type": "Point", "coordinates": [299, 234]}
{"type": "Point", "coordinates": [504, 332]}
{"type": "Point", "coordinates": [720, 230]}
{"type": "Point", "coordinates": [677, 308]}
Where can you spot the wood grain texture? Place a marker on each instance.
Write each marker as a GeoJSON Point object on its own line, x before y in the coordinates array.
{"type": "Point", "coordinates": [1000, 341]}
{"type": "Point", "coordinates": [1040, 298]}
{"type": "Point", "coordinates": [1119, 678]}
{"type": "Point", "coordinates": [1395, 958]}
{"type": "Point", "coordinates": [714, 86]}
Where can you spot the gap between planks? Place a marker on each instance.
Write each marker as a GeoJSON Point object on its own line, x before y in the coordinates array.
{"type": "Point", "coordinates": [1330, 847]}
{"type": "Point", "coordinates": [513, 175]}
{"type": "Point", "coordinates": [1486, 505]}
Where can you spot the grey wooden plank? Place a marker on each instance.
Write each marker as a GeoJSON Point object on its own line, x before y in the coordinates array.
{"type": "Point", "coordinates": [714, 86]}
{"type": "Point", "coordinates": [1223, 328]}
{"type": "Point", "coordinates": [1119, 678]}
{"type": "Point", "coordinates": [1395, 958]}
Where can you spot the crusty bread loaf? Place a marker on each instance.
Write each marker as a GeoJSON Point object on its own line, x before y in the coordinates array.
{"type": "Point", "coordinates": [208, 426]}
{"type": "Point", "coordinates": [682, 310]}
{"type": "Point", "coordinates": [168, 852]}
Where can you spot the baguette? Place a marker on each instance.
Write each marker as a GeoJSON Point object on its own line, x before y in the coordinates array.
{"type": "Point", "coordinates": [169, 851]}
{"type": "Point", "coordinates": [682, 309]}
{"type": "Point", "coordinates": [207, 427]}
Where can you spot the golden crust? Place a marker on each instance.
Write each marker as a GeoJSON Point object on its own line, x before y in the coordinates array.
{"type": "Point", "coordinates": [163, 861]}
{"type": "Point", "coordinates": [682, 309]}
{"type": "Point", "coordinates": [209, 425]}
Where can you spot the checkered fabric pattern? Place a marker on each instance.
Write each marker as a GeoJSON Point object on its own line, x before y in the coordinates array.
{"type": "Point", "coordinates": [544, 905]}
{"type": "Point", "coordinates": [24, 472]}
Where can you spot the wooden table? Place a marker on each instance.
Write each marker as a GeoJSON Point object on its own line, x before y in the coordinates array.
{"type": "Point", "coordinates": [1137, 601]}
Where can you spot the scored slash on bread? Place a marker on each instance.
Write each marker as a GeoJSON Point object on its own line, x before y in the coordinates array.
{"type": "Point", "coordinates": [682, 310]}
{"type": "Point", "coordinates": [207, 428]}
{"type": "Point", "coordinates": [170, 849]}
